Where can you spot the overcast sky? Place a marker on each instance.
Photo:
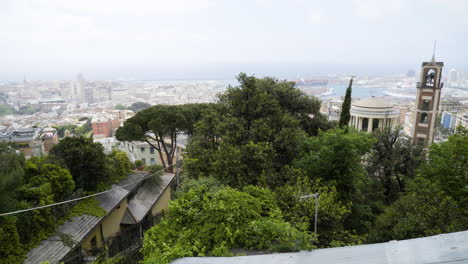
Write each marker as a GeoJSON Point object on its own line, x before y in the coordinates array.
{"type": "Point", "coordinates": [55, 37]}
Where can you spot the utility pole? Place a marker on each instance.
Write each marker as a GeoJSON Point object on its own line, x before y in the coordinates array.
{"type": "Point", "coordinates": [316, 196]}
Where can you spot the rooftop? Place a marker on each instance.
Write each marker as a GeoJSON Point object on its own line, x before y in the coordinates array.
{"type": "Point", "coordinates": [54, 250]}
{"type": "Point", "coordinates": [372, 102]}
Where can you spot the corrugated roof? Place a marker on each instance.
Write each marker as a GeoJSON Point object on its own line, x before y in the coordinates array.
{"type": "Point", "coordinates": [110, 200]}
{"type": "Point", "coordinates": [53, 250]}
{"type": "Point", "coordinates": [132, 181]}
{"type": "Point", "coordinates": [449, 248]}
{"type": "Point", "coordinates": [147, 195]}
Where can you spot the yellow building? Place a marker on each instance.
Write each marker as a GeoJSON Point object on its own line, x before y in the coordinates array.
{"type": "Point", "coordinates": [133, 206]}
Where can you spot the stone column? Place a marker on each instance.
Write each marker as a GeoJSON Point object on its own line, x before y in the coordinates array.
{"type": "Point", "coordinates": [369, 125]}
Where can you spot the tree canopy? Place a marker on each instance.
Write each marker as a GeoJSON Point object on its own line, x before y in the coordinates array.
{"type": "Point", "coordinates": [159, 126]}
{"type": "Point", "coordinates": [393, 159]}
{"type": "Point", "coordinates": [85, 160]}
{"type": "Point", "coordinates": [253, 133]}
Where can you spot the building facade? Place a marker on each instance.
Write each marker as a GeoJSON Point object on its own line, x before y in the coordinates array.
{"type": "Point", "coordinates": [373, 113]}
{"type": "Point", "coordinates": [427, 102]}
{"type": "Point", "coordinates": [27, 140]}
{"type": "Point", "coordinates": [140, 150]}
{"type": "Point", "coordinates": [102, 128]}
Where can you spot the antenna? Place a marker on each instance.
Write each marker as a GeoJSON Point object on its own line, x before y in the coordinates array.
{"type": "Point", "coordinates": [433, 51]}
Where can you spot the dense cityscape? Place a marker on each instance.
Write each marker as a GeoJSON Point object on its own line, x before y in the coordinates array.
{"type": "Point", "coordinates": [44, 106]}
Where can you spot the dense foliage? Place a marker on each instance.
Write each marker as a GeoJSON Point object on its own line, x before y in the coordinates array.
{"type": "Point", "coordinates": [436, 199]}
{"type": "Point", "coordinates": [74, 129]}
{"type": "Point", "coordinates": [203, 223]}
{"type": "Point", "coordinates": [392, 161]}
{"type": "Point", "coordinates": [45, 180]}
{"type": "Point", "coordinates": [373, 187]}
{"type": "Point", "coordinates": [90, 167]}
{"type": "Point", "coordinates": [253, 133]}
{"type": "Point", "coordinates": [135, 107]}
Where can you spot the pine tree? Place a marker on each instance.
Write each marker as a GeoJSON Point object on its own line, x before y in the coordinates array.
{"type": "Point", "coordinates": [345, 108]}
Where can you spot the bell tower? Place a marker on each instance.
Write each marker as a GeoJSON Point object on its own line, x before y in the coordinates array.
{"type": "Point", "coordinates": [427, 102]}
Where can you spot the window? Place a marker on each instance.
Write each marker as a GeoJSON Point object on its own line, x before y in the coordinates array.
{"type": "Point", "coordinates": [93, 242]}
{"type": "Point", "coordinates": [143, 161]}
{"type": "Point", "coordinates": [375, 124]}
{"type": "Point", "coordinates": [142, 150]}
{"type": "Point", "coordinates": [430, 77]}
{"type": "Point", "coordinates": [420, 141]}
{"type": "Point", "coordinates": [153, 161]}
{"type": "Point", "coordinates": [365, 124]}
{"type": "Point", "coordinates": [424, 118]}
{"type": "Point", "coordinates": [152, 150]}
{"type": "Point", "coordinates": [425, 105]}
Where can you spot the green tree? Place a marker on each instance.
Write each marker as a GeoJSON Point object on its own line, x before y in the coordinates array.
{"type": "Point", "coordinates": [138, 106]}
{"type": "Point", "coordinates": [60, 179]}
{"type": "Point", "coordinates": [392, 160]}
{"type": "Point", "coordinates": [211, 183]}
{"type": "Point", "coordinates": [11, 177]}
{"type": "Point", "coordinates": [11, 250]}
{"type": "Point", "coordinates": [335, 156]}
{"type": "Point", "coordinates": [120, 107]}
{"type": "Point", "coordinates": [203, 223]}
{"type": "Point", "coordinates": [61, 129]}
{"type": "Point", "coordinates": [332, 212]}
{"type": "Point", "coordinates": [424, 210]}
{"type": "Point", "coordinates": [345, 115]}
{"type": "Point", "coordinates": [85, 160]}
{"type": "Point", "coordinates": [118, 164]}
{"type": "Point", "coordinates": [447, 166]}
{"type": "Point", "coordinates": [436, 199]}
{"type": "Point", "coordinates": [252, 133]}
{"type": "Point", "coordinates": [159, 126]}
{"type": "Point", "coordinates": [83, 129]}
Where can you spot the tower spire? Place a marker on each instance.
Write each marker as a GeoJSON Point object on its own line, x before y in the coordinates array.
{"type": "Point", "coordinates": [433, 51]}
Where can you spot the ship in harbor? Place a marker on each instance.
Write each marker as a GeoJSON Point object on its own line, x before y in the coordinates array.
{"type": "Point", "coordinates": [314, 87]}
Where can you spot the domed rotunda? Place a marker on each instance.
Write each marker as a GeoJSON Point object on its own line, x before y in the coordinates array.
{"type": "Point", "coordinates": [373, 113]}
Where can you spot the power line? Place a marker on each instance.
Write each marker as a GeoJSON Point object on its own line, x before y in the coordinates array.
{"type": "Point", "coordinates": [84, 197]}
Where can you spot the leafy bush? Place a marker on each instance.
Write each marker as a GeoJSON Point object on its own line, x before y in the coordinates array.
{"type": "Point", "coordinates": [203, 222]}
{"type": "Point", "coordinates": [89, 206]}
{"type": "Point", "coordinates": [139, 164]}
